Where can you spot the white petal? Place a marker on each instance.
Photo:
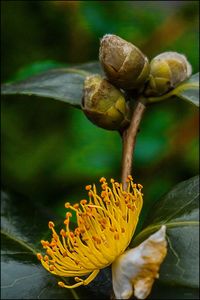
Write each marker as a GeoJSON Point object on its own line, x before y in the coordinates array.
{"type": "Point", "coordinates": [135, 270]}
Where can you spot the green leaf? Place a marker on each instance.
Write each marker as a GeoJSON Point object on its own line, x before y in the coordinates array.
{"type": "Point", "coordinates": [188, 90]}
{"type": "Point", "coordinates": [178, 210]}
{"type": "Point", "coordinates": [64, 84]}
{"type": "Point", "coordinates": [163, 291]}
{"type": "Point", "coordinates": [23, 277]}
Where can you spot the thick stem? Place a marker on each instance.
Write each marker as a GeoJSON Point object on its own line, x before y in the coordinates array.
{"type": "Point", "coordinates": [129, 138]}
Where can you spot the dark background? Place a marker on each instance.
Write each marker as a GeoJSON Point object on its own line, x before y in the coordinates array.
{"type": "Point", "coordinates": [50, 151]}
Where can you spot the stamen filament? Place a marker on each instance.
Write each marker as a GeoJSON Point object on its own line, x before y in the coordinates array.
{"type": "Point", "coordinates": [105, 226]}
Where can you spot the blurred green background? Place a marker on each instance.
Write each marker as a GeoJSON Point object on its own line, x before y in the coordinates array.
{"type": "Point", "coordinates": [50, 151]}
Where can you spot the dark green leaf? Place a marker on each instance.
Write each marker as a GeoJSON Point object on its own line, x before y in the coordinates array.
{"type": "Point", "coordinates": [64, 84]}
{"type": "Point", "coordinates": [23, 277]}
{"type": "Point", "coordinates": [162, 291]}
{"type": "Point", "coordinates": [178, 210]}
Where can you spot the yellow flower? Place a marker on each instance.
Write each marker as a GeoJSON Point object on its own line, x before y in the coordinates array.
{"type": "Point", "coordinates": [106, 224]}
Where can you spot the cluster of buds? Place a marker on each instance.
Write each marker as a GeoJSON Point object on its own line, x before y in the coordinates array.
{"type": "Point", "coordinates": [128, 70]}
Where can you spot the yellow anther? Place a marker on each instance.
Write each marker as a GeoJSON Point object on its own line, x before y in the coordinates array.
{"type": "Point", "coordinates": [77, 279]}
{"type": "Point", "coordinates": [61, 284]}
{"type": "Point", "coordinates": [63, 232]}
{"type": "Point", "coordinates": [71, 234]}
{"type": "Point", "coordinates": [140, 186]}
{"type": "Point", "coordinates": [52, 244]}
{"type": "Point", "coordinates": [90, 194]}
{"type": "Point", "coordinates": [76, 205]}
{"type": "Point", "coordinates": [103, 221]}
{"type": "Point", "coordinates": [104, 194]}
{"type": "Point", "coordinates": [88, 187]}
{"type": "Point", "coordinates": [102, 179]}
{"type": "Point", "coordinates": [67, 205]}
{"type": "Point", "coordinates": [83, 202]}
{"type": "Point", "coordinates": [51, 268]}
{"type": "Point", "coordinates": [44, 243]}
{"type": "Point", "coordinates": [49, 252]}
{"type": "Point", "coordinates": [130, 177]}
{"type": "Point", "coordinates": [77, 231]}
{"type": "Point", "coordinates": [127, 200]}
{"type": "Point", "coordinates": [68, 214]}
{"type": "Point", "coordinates": [64, 254]}
{"type": "Point", "coordinates": [106, 200]}
{"type": "Point", "coordinates": [39, 256]}
{"type": "Point", "coordinates": [89, 213]}
{"type": "Point", "coordinates": [87, 226]}
{"type": "Point", "coordinates": [104, 186]}
{"type": "Point", "coordinates": [51, 224]}
{"type": "Point", "coordinates": [95, 238]}
{"type": "Point", "coordinates": [98, 240]}
{"type": "Point", "coordinates": [46, 258]}
{"type": "Point", "coordinates": [112, 180]}
{"type": "Point", "coordinates": [112, 229]}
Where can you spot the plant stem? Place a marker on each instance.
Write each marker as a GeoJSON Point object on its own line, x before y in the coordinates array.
{"type": "Point", "coordinates": [129, 138]}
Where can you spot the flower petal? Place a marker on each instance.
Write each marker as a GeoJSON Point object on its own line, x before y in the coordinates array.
{"type": "Point", "coordinates": [136, 269]}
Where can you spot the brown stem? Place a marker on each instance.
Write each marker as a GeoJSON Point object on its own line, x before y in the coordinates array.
{"type": "Point", "coordinates": [129, 138]}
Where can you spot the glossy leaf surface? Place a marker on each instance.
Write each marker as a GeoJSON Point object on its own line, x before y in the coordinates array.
{"type": "Point", "coordinates": [22, 276]}
{"type": "Point", "coordinates": [179, 211]}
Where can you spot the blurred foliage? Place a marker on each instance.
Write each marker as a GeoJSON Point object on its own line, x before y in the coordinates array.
{"type": "Point", "coordinates": [49, 150]}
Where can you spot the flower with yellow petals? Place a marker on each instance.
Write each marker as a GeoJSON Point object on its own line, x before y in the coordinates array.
{"type": "Point", "coordinates": [105, 226]}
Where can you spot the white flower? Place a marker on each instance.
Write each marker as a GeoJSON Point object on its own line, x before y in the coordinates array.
{"type": "Point", "coordinates": [135, 270]}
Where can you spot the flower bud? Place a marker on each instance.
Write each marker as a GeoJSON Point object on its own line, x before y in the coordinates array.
{"type": "Point", "coordinates": [167, 70]}
{"type": "Point", "coordinates": [104, 104]}
{"type": "Point", "coordinates": [124, 64]}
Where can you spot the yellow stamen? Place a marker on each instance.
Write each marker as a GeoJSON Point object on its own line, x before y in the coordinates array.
{"type": "Point", "coordinates": [105, 226]}
{"type": "Point", "coordinates": [88, 187]}
{"type": "Point", "coordinates": [102, 180]}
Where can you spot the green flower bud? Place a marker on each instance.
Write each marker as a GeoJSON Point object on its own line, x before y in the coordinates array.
{"type": "Point", "coordinates": [124, 64]}
{"type": "Point", "coordinates": [104, 104]}
{"type": "Point", "coordinates": [167, 70]}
